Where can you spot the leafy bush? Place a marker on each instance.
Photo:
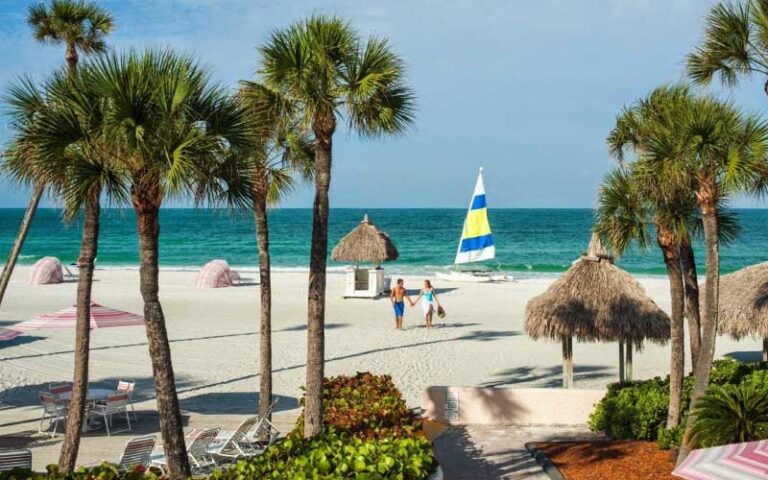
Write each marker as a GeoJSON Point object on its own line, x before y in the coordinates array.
{"type": "Point", "coordinates": [638, 410]}
{"type": "Point", "coordinates": [731, 414]}
{"type": "Point", "coordinates": [105, 471]}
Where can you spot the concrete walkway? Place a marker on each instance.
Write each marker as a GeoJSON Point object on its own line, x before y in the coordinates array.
{"type": "Point", "coordinates": [491, 452]}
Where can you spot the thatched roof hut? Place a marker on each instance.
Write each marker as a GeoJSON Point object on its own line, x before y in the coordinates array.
{"type": "Point", "coordinates": [743, 306]}
{"type": "Point", "coordinates": [595, 301]}
{"type": "Point", "coordinates": [365, 243]}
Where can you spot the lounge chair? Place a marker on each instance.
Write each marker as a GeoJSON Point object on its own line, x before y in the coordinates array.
{"type": "Point", "coordinates": [231, 446]}
{"type": "Point", "coordinates": [137, 452]}
{"type": "Point", "coordinates": [69, 276]}
{"type": "Point", "coordinates": [127, 387]}
{"type": "Point", "coordinates": [12, 459]}
{"type": "Point", "coordinates": [115, 404]}
{"type": "Point", "coordinates": [238, 279]}
{"type": "Point", "coordinates": [197, 451]}
{"type": "Point", "coordinates": [53, 410]}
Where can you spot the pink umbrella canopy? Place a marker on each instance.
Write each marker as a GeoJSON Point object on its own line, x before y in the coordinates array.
{"type": "Point", "coordinates": [101, 317]}
{"type": "Point", "coordinates": [739, 461]}
{"type": "Point", "coordinates": [7, 334]}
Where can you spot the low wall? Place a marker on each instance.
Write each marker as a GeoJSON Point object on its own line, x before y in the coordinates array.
{"type": "Point", "coordinates": [468, 405]}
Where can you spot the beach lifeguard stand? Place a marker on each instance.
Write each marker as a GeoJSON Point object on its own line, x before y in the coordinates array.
{"type": "Point", "coordinates": [365, 244]}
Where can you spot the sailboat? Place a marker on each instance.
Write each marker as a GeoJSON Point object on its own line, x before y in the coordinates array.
{"type": "Point", "coordinates": [476, 243]}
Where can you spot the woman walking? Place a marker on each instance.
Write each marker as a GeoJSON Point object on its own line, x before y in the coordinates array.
{"type": "Point", "coordinates": [428, 298]}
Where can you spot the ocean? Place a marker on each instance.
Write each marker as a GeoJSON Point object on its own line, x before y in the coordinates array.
{"type": "Point", "coordinates": [529, 242]}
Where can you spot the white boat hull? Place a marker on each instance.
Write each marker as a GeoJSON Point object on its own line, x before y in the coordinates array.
{"type": "Point", "coordinates": [473, 277]}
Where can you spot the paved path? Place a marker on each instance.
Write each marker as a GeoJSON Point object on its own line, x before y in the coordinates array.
{"type": "Point", "coordinates": [490, 452]}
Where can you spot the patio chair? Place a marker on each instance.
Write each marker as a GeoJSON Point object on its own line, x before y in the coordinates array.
{"type": "Point", "coordinates": [115, 404]}
{"type": "Point", "coordinates": [53, 410]}
{"type": "Point", "coordinates": [197, 451]}
{"type": "Point", "coordinates": [59, 389]}
{"type": "Point", "coordinates": [12, 459]}
{"type": "Point", "coordinates": [263, 435]}
{"type": "Point", "coordinates": [68, 274]}
{"type": "Point", "coordinates": [124, 386]}
{"type": "Point", "coordinates": [234, 445]}
{"type": "Point", "coordinates": [137, 452]}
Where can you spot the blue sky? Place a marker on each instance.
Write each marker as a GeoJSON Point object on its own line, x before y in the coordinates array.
{"type": "Point", "coordinates": [526, 89]}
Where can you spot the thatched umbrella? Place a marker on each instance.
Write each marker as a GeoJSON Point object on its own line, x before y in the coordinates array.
{"type": "Point", "coordinates": [365, 243]}
{"type": "Point", "coordinates": [596, 301]}
{"type": "Point", "coordinates": [743, 304]}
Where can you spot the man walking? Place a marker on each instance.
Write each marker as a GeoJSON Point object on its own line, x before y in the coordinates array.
{"type": "Point", "coordinates": [397, 296]}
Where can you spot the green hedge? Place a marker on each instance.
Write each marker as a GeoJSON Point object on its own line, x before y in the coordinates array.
{"type": "Point", "coordinates": [370, 434]}
{"type": "Point", "coordinates": [638, 410]}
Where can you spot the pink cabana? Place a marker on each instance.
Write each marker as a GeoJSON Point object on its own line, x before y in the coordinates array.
{"type": "Point", "coordinates": [45, 271]}
{"type": "Point", "coordinates": [101, 317]}
{"type": "Point", "coordinates": [214, 274]}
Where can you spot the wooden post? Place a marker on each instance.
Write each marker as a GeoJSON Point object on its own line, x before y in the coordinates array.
{"type": "Point", "coordinates": [567, 361]}
{"type": "Point", "coordinates": [765, 349]}
{"type": "Point", "coordinates": [621, 361]}
{"type": "Point", "coordinates": [628, 356]}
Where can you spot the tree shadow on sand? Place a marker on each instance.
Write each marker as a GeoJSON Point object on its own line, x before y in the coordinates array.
{"type": "Point", "coordinates": [548, 377]}
{"type": "Point", "coordinates": [233, 403]}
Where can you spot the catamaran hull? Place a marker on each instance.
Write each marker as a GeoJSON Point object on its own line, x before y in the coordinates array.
{"type": "Point", "coordinates": [471, 277]}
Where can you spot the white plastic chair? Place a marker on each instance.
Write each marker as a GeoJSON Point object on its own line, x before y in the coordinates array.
{"type": "Point", "coordinates": [115, 404]}
{"type": "Point", "coordinates": [59, 389]}
{"type": "Point", "coordinates": [68, 275]}
{"type": "Point", "coordinates": [235, 445]}
{"type": "Point", "coordinates": [124, 386]}
{"type": "Point", "coordinates": [11, 459]}
{"type": "Point", "coordinates": [197, 451]}
{"type": "Point", "coordinates": [53, 411]}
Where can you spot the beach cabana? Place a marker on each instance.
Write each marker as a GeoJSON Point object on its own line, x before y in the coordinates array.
{"type": "Point", "coordinates": [45, 271]}
{"type": "Point", "coordinates": [214, 274]}
{"type": "Point", "coordinates": [596, 301]}
{"type": "Point", "coordinates": [365, 244]}
{"type": "Point", "coordinates": [743, 306]}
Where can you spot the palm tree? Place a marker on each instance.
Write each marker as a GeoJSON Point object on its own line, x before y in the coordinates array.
{"type": "Point", "coordinates": [173, 132]}
{"type": "Point", "coordinates": [80, 26]}
{"type": "Point", "coordinates": [279, 151]}
{"type": "Point", "coordinates": [324, 71]}
{"type": "Point", "coordinates": [57, 139]}
{"type": "Point", "coordinates": [734, 44]}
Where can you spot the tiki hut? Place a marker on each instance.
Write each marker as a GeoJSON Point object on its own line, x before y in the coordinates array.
{"type": "Point", "coordinates": [365, 244]}
{"type": "Point", "coordinates": [596, 301]}
{"type": "Point", "coordinates": [743, 306]}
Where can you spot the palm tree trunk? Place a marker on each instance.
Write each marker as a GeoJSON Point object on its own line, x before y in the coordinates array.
{"type": "Point", "coordinates": [147, 206]}
{"type": "Point", "coordinates": [265, 341]}
{"type": "Point", "coordinates": [313, 400]}
{"type": "Point", "coordinates": [88, 250]}
{"type": "Point", "coordinates": [567, 361]}
{"type": "Point", "coordinates": [628, 355]}
{"type": "Point", "coordinates": [671, 251]}
{"type": "Point", "coordinates": [26, 222]}
{"type": "Point", "coordinates": [706, 198]}
{"type": "Point", "coordinates": [692, 310]}
{"type": "Point", "coordinates": [72, 57]}
{"type": "Point", "coordinates": [622, 375]}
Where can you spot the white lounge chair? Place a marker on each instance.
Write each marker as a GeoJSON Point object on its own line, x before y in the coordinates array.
{"type": "Point", "coordinates": [68, 274]}
{"type": "Point", "coordinates": [53, 410]}
{"type": "Point", "coordinates": [137, 452]}
{"type": "Point", "coordinates": [11, 459]}
{"type": "Point", "coordinates": [115, 404]}
{"type": "Point", "coordinates": [197, 451]}
{"type": "Point", "coordinates": [231, 446]}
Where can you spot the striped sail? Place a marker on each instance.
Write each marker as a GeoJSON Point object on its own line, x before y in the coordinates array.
{"type": "Point", "coordinates": [476, 242]}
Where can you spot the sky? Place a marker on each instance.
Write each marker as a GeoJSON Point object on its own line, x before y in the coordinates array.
{"type": "Point", "coordinates": [528, 90]}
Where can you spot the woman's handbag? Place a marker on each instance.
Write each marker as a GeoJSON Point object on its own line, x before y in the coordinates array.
{"type": "Point", "coordinates": [440, 311]}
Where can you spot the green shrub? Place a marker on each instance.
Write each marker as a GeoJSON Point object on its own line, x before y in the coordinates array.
{"type": "Point", "coordinates": [731, 414]}
{"type": "Point", "coordinates": [105, 471]}
{"type": "Point", "coordinates": [638, 410]}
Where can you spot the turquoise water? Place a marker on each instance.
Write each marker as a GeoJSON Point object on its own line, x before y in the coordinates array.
{"type": "Point", "coordinates": [529, 241]}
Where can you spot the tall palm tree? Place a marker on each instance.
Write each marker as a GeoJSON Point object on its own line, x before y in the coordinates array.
{"type": "Point", "coordinates": [325, 72]}
{"type": "Point", "coordinates": [81, 27]}
{"type": "Point", "coordinates": [279, 152]}
{"type": "Point", "coordinates": [57, 138]}
{"type": "Point", "coordinates": [734, 44]}
{"type": "Point", "coordinates": [172, 130]}
{"type": "Point", "coordinates": [719, 151]}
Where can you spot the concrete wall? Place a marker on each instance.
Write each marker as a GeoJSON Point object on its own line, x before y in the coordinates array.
{"type": "Point", "coordinates": [511, 405]}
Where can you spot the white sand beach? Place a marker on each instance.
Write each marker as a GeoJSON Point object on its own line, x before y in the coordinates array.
{"type": "Point", "coordinates": [214, 339]}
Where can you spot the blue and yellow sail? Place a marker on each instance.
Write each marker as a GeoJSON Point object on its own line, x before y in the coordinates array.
{"type": "Point", "coordinates": [476, 242]}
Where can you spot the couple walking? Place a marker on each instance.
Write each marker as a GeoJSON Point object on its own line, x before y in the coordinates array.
{"type": "Point", "coordinates": [428, 298]}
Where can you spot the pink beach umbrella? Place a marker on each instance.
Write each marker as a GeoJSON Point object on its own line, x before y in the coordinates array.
{"type": "Point", "coordinates": [739, 461]}
{"type": "Point", "coordinates": [7, 334]}
{"type": "Point", "coordinates": [101, 317]}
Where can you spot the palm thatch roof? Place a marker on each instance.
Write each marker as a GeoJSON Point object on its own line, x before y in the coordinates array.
{"type": "Point", "coordinates": [743, 307]}
{"type": "Point", "coordinates": [365, 243]}
{"type": "Point", "coordinates": [596, 301]}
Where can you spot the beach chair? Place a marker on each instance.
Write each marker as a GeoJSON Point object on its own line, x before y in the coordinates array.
{"type": "Point", "coordinates": [127, 387]}
{"type": "Point", "coordinates": [264, 433]}
{"type": "Point", "coordinates": [12, 459]}
{"type": "Point", "coordinates": [137, 452]}
{"type": "Point", "coordinates": [68, 274]}
{"type": "Point", "coordinates": [115, 404]}
{"type": "Point", "coordinates": [197, 451]}
{"type": "Point", "coordinates": [234, 445]}
{"type": "Point", "coordinates": [53, 410]}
